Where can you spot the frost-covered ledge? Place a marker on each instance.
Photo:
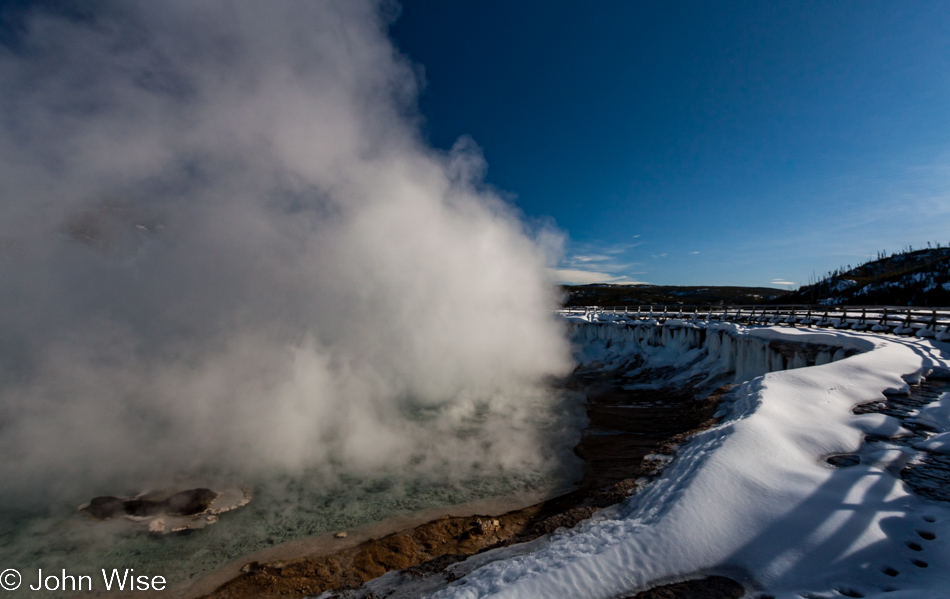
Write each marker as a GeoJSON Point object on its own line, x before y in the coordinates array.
{"type": "Point", "coordinates": [721, 349]}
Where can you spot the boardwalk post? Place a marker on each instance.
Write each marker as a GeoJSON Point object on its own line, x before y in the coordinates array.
{"type": "Point", "coordinates": [937, 324]}
{"type": "Point", "coordinates": [908, 322]}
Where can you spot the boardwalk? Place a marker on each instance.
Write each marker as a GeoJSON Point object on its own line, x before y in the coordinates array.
{"type": "Point", "coordinates": [898, 320]}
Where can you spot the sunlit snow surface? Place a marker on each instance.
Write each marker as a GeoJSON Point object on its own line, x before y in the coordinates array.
{"type": "Point", "coordinates": [937, 416]}
{"type": "Point", "coordinates": [753, 498]}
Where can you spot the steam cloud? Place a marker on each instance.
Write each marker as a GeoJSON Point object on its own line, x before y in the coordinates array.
{"type": "Point", "coordinates": [222, 241]}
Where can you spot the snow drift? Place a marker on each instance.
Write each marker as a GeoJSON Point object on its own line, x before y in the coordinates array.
{"type": "Point", "coordinates": [753, 498]}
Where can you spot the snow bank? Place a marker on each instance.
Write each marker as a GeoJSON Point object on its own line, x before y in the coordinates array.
{"type": "Point", "coordinates": [939, 443]}
{"type": "Point", "coordinates": [936, 416]}
{"type": "Point", "coordinates": [753, 498]}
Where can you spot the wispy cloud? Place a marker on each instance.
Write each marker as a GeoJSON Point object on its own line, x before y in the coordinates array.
{"type": "Point", "coordinates": [598, 263]}
{"type": "Point", "coordinates": [782, 282]}
{"type": "Point", "coordinates": [623, 247]}
{"type": "Point", "coordinates": [585, 258]}
{"type": "Point", "coordinates": [575, 276]}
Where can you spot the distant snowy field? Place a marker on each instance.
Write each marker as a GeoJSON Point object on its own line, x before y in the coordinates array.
{"type": "Point", "coordinates": [753, 498]}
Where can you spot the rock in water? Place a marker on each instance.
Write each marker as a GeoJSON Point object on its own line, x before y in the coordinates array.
{"type": "Point", "coordinates": [167, 511]}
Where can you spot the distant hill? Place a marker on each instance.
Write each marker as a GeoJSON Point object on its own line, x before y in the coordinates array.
{"type": "Point", "coordinates": [665, 295]}
{"type": "Point", "coordinates": [910, 278]}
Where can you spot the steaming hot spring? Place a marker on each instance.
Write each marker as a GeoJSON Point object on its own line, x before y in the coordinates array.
{"type": "Point", "coordinates": [230, 261]}
{"type": "Point", "coordinates": [244, 302]}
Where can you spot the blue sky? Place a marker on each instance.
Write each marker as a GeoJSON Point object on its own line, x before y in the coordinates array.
{"type": "Point", "coordinates": [700, 143]}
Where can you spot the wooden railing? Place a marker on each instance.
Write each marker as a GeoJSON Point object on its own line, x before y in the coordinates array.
{"type": "Point", "coordinates": [899, 320]}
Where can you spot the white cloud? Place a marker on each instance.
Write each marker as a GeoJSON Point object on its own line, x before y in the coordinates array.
{"type": "Point", "coordinates": [581, 258]}
{"type": "Point", "coordinates": [597, 263]}
{"type": "Point", "coordinates": [567, 276]}
{"type": "Point", "coordinates": [620, 249]}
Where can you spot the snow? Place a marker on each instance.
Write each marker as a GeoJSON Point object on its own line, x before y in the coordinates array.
{"type": "Point", "coordinates": [939, 443]}
{"type": "Point", "coordinates": [753, 497]}
{"type": "Point", "coordinates": [936, 415]}
{"type": "Point", "coordinates": [844, 284]}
